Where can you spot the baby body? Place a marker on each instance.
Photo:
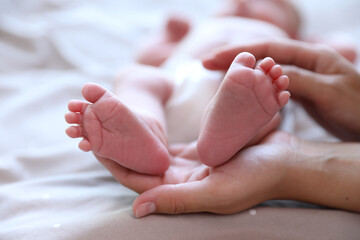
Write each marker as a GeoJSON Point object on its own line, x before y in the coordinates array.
{"type": "Point", "coordinates": [179, 102]}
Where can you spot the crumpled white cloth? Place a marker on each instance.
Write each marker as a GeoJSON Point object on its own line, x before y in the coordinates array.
{"type": "Point", "coordinates": [51, 190]}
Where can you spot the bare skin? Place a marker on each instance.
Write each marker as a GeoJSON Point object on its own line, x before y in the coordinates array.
{"type": "Point", "coordinates": [125, 131]}
{"type": "Point", "coordinates": [280, 13]}
{"type": "Point", "coordinates": [275, 167]}
{"type": "Point", "coordinates": [141, 96]}
{"type": "Point", "coordinates": [334, 96]}
{"type": "Point", "coordinates": [110, 129]}
{"type": "Point", "coordinates": [282, 166]}
{"type": "Point", "coordinates": [157, 49]}
{"type": "Point", "coordinates": [262, 87]}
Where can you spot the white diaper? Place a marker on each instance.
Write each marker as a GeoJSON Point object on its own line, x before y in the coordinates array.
{"type": "Point", "coordinates": [194, 88]}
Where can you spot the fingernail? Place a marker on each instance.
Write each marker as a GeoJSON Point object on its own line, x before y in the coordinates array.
{"type": "Point", "coordinates": [145, 209]}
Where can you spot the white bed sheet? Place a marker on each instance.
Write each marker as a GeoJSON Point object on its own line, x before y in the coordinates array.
{"type": "Point", "coordinates": [51, 190]}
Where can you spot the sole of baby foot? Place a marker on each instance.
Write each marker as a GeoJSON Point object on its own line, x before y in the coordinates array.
{"type": "Point", "coordinates": [110, 129]}
{"type": "Point", "coordinates": [246, 101]}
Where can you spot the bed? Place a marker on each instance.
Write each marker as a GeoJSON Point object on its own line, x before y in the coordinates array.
{"type": "Point", "coordinates": [51, 190]}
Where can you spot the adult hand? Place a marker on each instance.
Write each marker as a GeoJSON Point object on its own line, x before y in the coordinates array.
{"type": "Point", "coordinates": [321, 79]}
{"type": "Point", "coordinates": [251, 177]}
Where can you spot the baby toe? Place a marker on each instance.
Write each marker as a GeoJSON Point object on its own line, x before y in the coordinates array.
{"type": "Point", "coordinates": [73, 118]}
{"type": "Point", "coordinates": [85, 145]}
{"type": "Point", "coordinates": [93, 92]}
{"type": "Point", "coordinates": [275, 72]}
{"type": "Point", "coordinates": [282, 82]}
{"type": "Point", "coordinates": [266, 64]}
{"type": "Point", "coordinates": [74, 132]}
{"type": "Point", "coordinates": [283, 98]}
{"type": "Point", "coordinates": [77, 106]}
{"type": "Point", "coordinates": [246, 59]}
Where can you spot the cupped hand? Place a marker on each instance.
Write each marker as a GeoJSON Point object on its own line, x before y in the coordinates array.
{"type": "Point", "coordinates": [320, 78]}
{"type": "Point", "coordinates": [252, 176]}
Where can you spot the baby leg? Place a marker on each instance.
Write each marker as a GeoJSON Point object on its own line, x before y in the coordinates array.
{"type": "Point", "coordinates": [128, 129]}
{"type": "Point", "coordinates": [157, 50]}
{"type": "Point", "coordinates": [247, 100]}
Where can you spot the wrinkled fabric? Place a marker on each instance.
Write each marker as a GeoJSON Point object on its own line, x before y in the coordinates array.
{"type": "Point", "coordinates": [49, 189]}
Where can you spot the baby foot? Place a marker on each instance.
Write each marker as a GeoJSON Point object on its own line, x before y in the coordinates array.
{"type": "Point", "coordinates": [112, 130]}
{"type": "Point", "coordinates": [246, 101]}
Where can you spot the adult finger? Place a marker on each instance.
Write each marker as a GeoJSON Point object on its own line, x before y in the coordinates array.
{"type": "Point", "coordinates": [186, 197]}
{"type": "Point", "coordinates": [304, 83]}
{"type": "Point", "coordinates": [313, 57]}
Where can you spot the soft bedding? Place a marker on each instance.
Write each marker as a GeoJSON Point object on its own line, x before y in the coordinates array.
{"type": "Point", "coordinates": [51, 190]}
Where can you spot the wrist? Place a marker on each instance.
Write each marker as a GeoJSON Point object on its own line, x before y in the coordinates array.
{"type": "Point", "coordinates": [292, 167]}
{"type": "Point", "coordinates": [288, 150]}
{"type": "Point", "coordinates": [324, 174]}
{"type": "Point", "coordinates": [293, 185]}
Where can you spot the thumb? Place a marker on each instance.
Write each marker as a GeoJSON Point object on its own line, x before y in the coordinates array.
{"type": "Point", "coordinates": [303, 83]}
{"type": "Point", "coordinates": [174, 199]}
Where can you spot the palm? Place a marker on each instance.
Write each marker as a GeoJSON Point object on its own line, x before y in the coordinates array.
{"type": "Point", "coordinates": [183, 168]}
{"type": "Point", "coordinates": [250, 171]}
